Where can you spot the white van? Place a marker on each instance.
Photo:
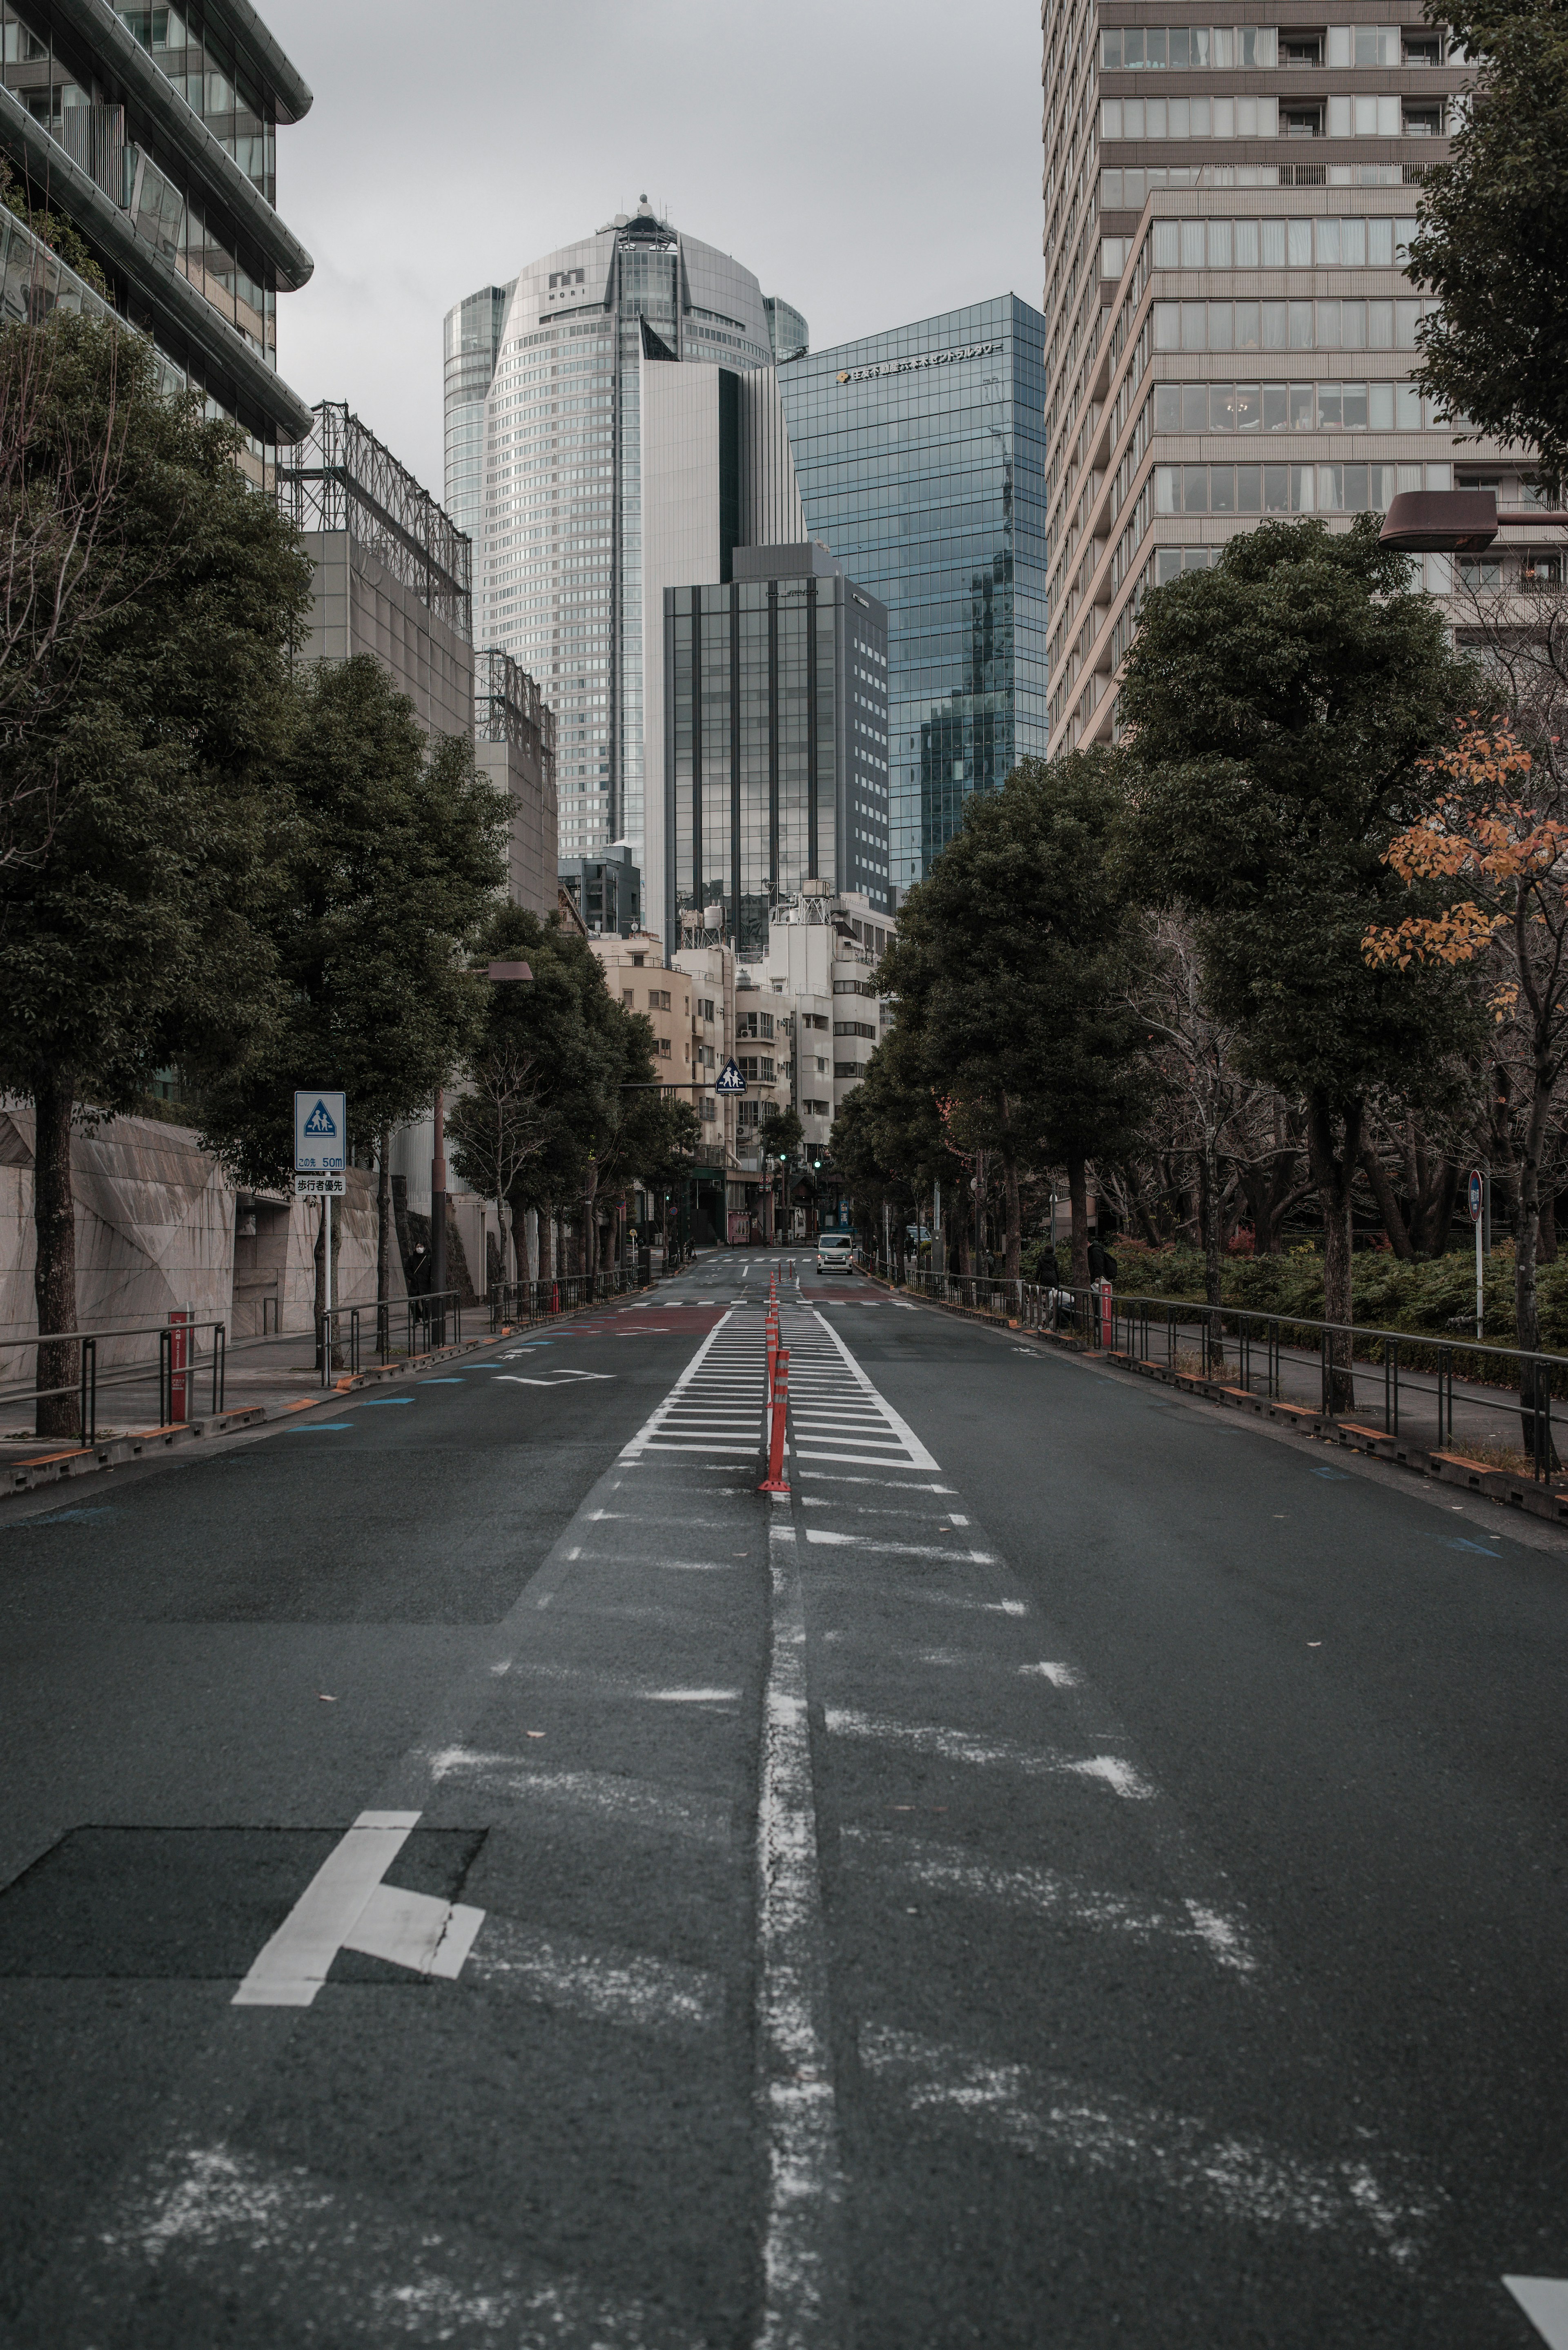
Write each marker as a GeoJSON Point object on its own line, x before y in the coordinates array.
{"type": "Point", "coordinates": [835, 1251]}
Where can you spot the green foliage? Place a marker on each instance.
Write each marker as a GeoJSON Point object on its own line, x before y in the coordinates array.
{"type": "Point", "coordinates": [386, 857]}
{"type": "Point", "coordinates": [1280, 706]}
{"type": "Point", "coordinates": [588, 1060]}
{"type": "Point", "coordinates": [132, 928]}
{"type": "Point", "coordinates": [1493, 242]}
{"type": "Point", "coordinates": [60, 235]}
{"type": "Point", "coordinates": [1011, 959]}
{"type": "Point", "coordinates": [1434, 1297]}
{"type": "Point", "coordinates": [781, 1133]}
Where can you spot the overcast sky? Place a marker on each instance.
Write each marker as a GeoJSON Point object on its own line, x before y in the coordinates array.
{"type": "Point", "coordinates": [872, 160]}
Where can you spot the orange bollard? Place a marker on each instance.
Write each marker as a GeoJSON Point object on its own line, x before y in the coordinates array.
{"type": "Point", "coordinates": [774, 1482]}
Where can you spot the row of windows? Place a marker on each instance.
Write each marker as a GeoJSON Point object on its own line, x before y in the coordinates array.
{"type": "Point", "coordinates": [1294, 407]}
{"type": "Point", "coordinates": [1372, 242]}
{"type": "Point", "coordinates": [1128, 47]}
{"type": "Point", "coordinates": [1341, 116]}
{"type": "Point", "coordinates": [1124, 190]}
{"type": "Point", "coordinates": [1289, 489]}
{"type": "Point", "coordinates": [1189, 45]}
{"type": "Point", "coordinates": [1324, 326]}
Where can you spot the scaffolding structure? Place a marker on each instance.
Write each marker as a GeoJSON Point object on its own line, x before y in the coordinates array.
{"type": "Point", "coordinates": [340, 477]}
{"type": "Point", "coordinates": [508, 705]}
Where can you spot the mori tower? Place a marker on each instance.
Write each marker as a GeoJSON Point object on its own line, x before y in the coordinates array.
{"type": "Point", "coordinates": [545, 471]}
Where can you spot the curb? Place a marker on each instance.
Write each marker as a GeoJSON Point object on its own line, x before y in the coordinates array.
{"type": "Point", "coordinates": [85, 1460]}
{"type": "Point", "coordinates": [1443, 1468]}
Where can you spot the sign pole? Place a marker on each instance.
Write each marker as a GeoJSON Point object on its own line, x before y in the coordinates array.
{"type": "Point", "coordinates": [1476, 1204]}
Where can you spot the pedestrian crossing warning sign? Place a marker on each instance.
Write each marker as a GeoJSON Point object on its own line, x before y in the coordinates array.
{"type": "Point", "coordinates": [320, 1120]}
{"type": "Point", "coordinates": [729, 1079]}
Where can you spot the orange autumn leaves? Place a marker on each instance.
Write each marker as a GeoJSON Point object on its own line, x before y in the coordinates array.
{"type": "Point", "coordinates": [1477, 829]}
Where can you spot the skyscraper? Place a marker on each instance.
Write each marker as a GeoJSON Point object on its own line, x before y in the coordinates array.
{"type": "Point", "coordinates": [550, 469]}
{"type": "Point", "coordinates": [919, 458]}
{"type": "Point", "coordinates": [775, 692]}
{"type": "Point", "coordinates": [1231, 332]}
{"type": "Point", "coordinates": [152, 132]}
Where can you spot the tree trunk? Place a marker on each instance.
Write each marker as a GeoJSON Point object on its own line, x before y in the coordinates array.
{"type": "Point", "coordinates": [1209, 1222]}
{"type": "Point", "coordinates": [531, 1245]}
{"type": "Point", "coordinates": [1376, 1175]}
{"type": "Point", "coordinates": [1013, 1267]}
{"type": "Point", "coordinates": [1078, 1193]}
{"type": "Point", "coordinates": [1549, 1228]}
{"type": "Point", "coordinates": [1526, 1306]}
{"type": "Point", "coordinates": [1332, 1161]}
{"type": "Point", "coordinates": [55, 1266]}
{"type": "Point", "coordinates": [383, 1237]}
{"type": "Point", "coordinates": [1440, 1215]}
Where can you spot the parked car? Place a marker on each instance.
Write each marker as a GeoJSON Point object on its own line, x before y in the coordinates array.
{"type": "Point", "coordinates": [835, 1251]}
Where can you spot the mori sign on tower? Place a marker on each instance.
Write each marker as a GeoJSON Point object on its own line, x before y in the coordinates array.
{"type": "Point", "coordinates": [320, 1128]}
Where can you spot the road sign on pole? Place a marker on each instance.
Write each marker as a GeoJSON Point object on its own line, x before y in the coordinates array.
{"type": "Point", "coordinates": [1477, 1205]}
{"type": "Point", "coordinates": [1478, 1194]}
{"type": "Point", "coordinates": [320, 1187]}
{"type": "Point", "coordinates": [320, 1133]}
{"type": "Point", "coordinates": [729, 1079]}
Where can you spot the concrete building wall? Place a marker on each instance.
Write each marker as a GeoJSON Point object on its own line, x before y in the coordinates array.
{"type": "Point", "coordinates": [357, 607]}
{"type": "Point", "coordinates": [158, 1224]}
{"type": "Point", "coordinates": [532, 848]}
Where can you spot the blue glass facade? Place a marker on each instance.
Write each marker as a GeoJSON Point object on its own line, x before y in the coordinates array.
{"type": "Point", "coordinates": [920, 458]}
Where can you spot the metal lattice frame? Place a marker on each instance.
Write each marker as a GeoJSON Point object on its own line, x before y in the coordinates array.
{"type": "Point", "coordinates": [340, 477]}
{"type": "Point", "coordinates": [508, 705]}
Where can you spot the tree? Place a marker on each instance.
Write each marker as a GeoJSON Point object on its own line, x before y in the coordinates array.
{"type": "Point", "coordinates": [1497, 822]}
{"type": "Point", "coordinates": [142, 799]}
{"type": "Point", "coordinates": [601, 1120]}
{"type": "Point", "coordinates": [1493, 241]}
{"type": "Point", "coordinates": [1280, 708]}
{"type": "Point", "coordinates": [386, 863]}
{"type": "Point", "coordinates": [1010, 962]}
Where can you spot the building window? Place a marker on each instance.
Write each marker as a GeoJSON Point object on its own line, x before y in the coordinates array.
{"type": "Point", "coordinates": [710, 1110]}
{"type": "Point", "coordinates": [662, 1046]}
{"type": "Point", "coordinates": [638, 961]}
{"type": "Point", "coordinates": [659, 999]}
{"type": "Point", "coordinates": [628, 997]}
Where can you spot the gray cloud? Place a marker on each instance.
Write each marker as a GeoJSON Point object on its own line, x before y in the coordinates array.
{"type": "Point", "coordinates": [873, 162]}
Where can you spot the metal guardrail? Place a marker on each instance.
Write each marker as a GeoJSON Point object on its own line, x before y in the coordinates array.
{"type": "Point", "coordinates": [537, 1301]}
{"type": "Point", "coordinates": [180, 1361]}
{"type": "Point", "coordinates": [1242, 1347]}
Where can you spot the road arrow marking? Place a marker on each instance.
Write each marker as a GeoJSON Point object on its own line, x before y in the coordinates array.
{"type": "Point", "coordinates": [345, 1907]}
{"type": "Point", "coordinates": [1544, 2301]}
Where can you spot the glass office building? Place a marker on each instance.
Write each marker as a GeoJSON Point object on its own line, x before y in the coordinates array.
{"type": "Point", "coordinates": [919, 458]}
{"type": "Point", "coordinates": [154, 133]}
{"type": "Point", "coordinates": [544, 468]}
{"type": "Point", "coordinates": [777, 709]}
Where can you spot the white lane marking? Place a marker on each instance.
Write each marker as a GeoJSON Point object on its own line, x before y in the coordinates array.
{"type": "Point", "coordinates": [885, 1484]}
{"type": "Point", "coordinates": [1059, 1676]}
{"type": "Point", "coordinates": [1044, 2115]}
{"type": "Point", "coordinates": [325, 2262]}
{"type": "Point", "coordinates": [346, 1901]}
{"type": "Point", "coordinates": [1045, 1893]}
{"type": "Point", "coordinates": [964, 1746]}
{"type": "Point", "coordinates": [604, 1684]}
{"type": "Point", "coordinates": [903, 1550]}
{"type": "Point", "coordinates": [565, 1378]}
{"type": "Point", "coordinates": [603, 1795]}
{"type": "Point", "coordinates": [651, 1427]}
{"type": "Point", "coordinates": [804, 2187]}
{"type": "Point", "coordinates": [1544, 2301]}
{"type": "Point", "coordinates": [919, 1458]}
{"type": "Point", "coordinates": [609, 1986]}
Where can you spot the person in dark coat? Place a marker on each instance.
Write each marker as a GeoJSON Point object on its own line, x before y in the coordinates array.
{"type": "Point", "coordinates": [1102, 1264]}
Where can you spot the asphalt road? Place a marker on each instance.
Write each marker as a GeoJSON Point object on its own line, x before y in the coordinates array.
{"type": "Point", "coordinates": [1081, 1871]}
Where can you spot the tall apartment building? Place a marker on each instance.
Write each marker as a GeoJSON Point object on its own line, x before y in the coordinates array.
{"type": "Point", "coordinates": [920, 459]}
{"type": "Point", "coordinates": [544, 453]}
{"type": "Point", "coordinates": [152, 131]}
{"type": "Point", "coordinates": [776, 707]}
{"type": "Point", "coordinates": [1232, 333]}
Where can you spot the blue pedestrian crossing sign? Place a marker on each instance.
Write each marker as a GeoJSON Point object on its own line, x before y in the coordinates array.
{"type": "Point", "coordinates": [729, 1079]}
{"type": "Point", "coordinates": [320, 1126]}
